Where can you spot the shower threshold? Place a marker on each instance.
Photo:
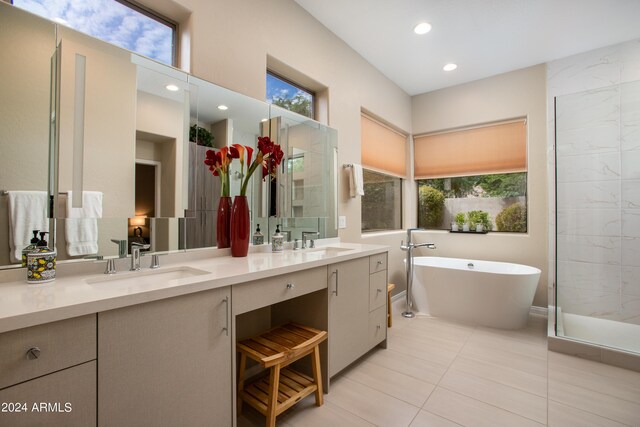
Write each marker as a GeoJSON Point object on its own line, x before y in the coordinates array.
{"type": "Point", "coordinates": [607, 341]}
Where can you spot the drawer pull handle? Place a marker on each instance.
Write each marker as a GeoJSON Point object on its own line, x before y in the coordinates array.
{"type": "Point", "coordinates": [379, 262]}
{"type": "Point", "coordinates": [378, 326]}
{"type": "Point", "coordinates": [33, 353]}
{"type": "Point", "coordinates": [335, 273]}
{"type": "Point", "coordinates": [290, 286]}
{"type": "Point", "coordinates": [226, 315]}
{"type": "Point", "coordinates": [379, 290]}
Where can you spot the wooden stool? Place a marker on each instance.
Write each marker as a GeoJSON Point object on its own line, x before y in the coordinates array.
{"type": "Point", "coordinates": [390, 287]}
{"type": "Point", "coordinates": [276, 349]}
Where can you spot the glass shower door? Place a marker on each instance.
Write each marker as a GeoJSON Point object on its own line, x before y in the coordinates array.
{"type": "Point", "coordinates": [598, 216]}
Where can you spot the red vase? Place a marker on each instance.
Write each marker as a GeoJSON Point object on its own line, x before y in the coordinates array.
{"type": "Point", "coordinates": [223, 225]}
{"type": "Point", "coordinates": [240, 227]}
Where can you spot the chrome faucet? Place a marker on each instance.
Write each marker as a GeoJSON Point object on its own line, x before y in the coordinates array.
{"type": "Point", "coordinates": [111, 262]}
{"type": "Point", "coordinates": [304, 239]}
{"type": "Point", "coordinates": [409, 247]}
{"type": "Point", "coordinates": [122, 247]}
{"type": "Point", "coordinates": [135, 255]}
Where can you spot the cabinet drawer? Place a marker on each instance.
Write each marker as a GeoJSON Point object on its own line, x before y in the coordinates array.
{"type": "Point", "coordinates": [70, 395]}
{"type": "Point", "coordinates": [62, 344]}
{"type": "Point", "coordinates": [261, 293]}
{"type": "Point", "coordinates": [377, 290]}
{"type": "Point", "coordinates": [377, 326]}
{"type": "Point", "coordinates": [377, 262]}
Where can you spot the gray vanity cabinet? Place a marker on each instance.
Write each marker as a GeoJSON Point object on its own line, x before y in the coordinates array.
{"type": "Point", "coordinates": [357, 309]}
{"type": "Point", "coordinates": [66, 398]}
{"type": "Point", "coordinates": [48, 374]}
{"type": "Point", "coordinates": [167, 362]}
{"type": "Point", "coordinates": [348, 312]}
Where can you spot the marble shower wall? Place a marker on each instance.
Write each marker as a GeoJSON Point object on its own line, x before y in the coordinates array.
{"type": "Point", "coordinates": [597, 122]}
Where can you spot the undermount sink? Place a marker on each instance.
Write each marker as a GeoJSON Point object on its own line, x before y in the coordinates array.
{"type": "Point", "coordinates": [145, 278]}
{"type": "Point", "coordinates": [326, 251]}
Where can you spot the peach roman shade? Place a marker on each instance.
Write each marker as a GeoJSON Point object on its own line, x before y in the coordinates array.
{"type": "Point", "coordinates": [383, 149]}
{"type": "Point", "coordinates": [496, 148]}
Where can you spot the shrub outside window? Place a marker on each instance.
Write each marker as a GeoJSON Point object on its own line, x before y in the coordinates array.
{"type": "Point", "coordinates": [498, 201]}
{"type": "Point", "coordinates": [381, 203]}
{"type": "Point", "coordinates": [122, 23]}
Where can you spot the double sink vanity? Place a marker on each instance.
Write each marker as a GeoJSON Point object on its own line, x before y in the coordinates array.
{"type": "Point", "coordinates": [157, 346]}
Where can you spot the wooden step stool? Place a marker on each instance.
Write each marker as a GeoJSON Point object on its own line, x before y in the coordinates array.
{"type": "Point", "coordinates": [390, 287]}
{"type": "Point", "coordinates": [276, 349]}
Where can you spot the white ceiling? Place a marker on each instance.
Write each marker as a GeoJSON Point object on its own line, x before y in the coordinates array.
{"type": "Point", "coordinates": [484, 37]}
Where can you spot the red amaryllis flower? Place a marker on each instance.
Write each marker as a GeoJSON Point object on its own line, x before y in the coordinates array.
{"type": "Point", "coordinates": [218, 162]}
{"type": "Point", "coordinates": [268, 156]}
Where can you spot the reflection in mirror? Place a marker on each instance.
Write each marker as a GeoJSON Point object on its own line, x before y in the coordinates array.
{"type": "Point", "coordinates": [28, 45]}
{"type": "Point", "coordinates": [160, 233]}
{"type": "Point", "coordinates": [229, 118]}
{"type": "Point", "coordinates": [161, 148]}
{"type": "Point", "coordinates": [96, 124]}
{"type": "Point", "coordinates": [303, 197]}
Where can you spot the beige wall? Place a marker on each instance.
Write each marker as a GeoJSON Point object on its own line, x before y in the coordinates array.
{"type": "Point", "coordinates": [229, 43]}
{"type": "Point", "coordinates": [519, 93]}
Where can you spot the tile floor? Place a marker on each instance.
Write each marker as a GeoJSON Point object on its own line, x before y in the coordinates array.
{"type": "Point", "coordinates": [441, 373]}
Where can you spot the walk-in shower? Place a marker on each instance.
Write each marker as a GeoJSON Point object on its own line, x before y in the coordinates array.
{"type": "Point", "coordinates": [597, 170]}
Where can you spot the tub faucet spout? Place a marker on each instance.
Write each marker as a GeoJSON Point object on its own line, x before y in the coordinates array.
{"type": "Point", "coordinates": [425, 245]}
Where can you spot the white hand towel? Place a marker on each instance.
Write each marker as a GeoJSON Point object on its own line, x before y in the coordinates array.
{"type": "Point", "coordinates": [356, 181]}
{"type": "Point", "coordinates": [27, 212]}
{"type": "Point", "coordinates": [81, 226]}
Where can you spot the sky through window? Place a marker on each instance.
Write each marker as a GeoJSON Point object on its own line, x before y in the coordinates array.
{"type": "Point", "coordinates": [110, 21]}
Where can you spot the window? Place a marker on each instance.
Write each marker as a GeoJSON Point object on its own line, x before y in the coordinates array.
{"type": "Point", "coordinates": [502, 196]}
{"type": "Point", "coordinates": [288, 95]}
{"type": "Point", "coordinates": [381, 203]}
{"type": "Point", "coordinates": [384, 168]}
{"type": "Point", "coordinates": [478, 175]}
{"type": "Point", "coordinates": [119, 22]}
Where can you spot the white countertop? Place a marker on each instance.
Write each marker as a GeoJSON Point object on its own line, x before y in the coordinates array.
{"type": "Point", "coordinates": [72, 293]}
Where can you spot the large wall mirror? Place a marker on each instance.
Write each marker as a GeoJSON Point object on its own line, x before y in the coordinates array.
{"type": "Point", "coordinates": [127, 140]}
{"type": "Point", "coordinates": [28, 45]}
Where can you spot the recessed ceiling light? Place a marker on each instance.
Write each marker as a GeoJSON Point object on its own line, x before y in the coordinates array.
{"type": "Point", "coordinates": [222, 107]}
{"type": "Point", "coordinates": [172, 87]}
{"type": "Point", "coordinates": [450, 67]}
{"type": "Point", "coordinates": [422, 28]}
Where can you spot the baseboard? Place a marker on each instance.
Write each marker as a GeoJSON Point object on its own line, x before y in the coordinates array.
{"type": "Point", "coordinates": [539, 311]}
{"type": "Point", "coordinates": [399, 295]}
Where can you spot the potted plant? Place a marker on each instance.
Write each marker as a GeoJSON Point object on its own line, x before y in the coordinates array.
{"type": "Point", "coordinates": [474, 219]}
{"type": "Point", "coordinates": [200, 136]}
{"type": "Point", "coordinates": [479, 221]}
{"type": "Point", "coordinates": [458, 221]}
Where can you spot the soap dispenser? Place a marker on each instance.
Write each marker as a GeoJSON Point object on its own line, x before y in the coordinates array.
{"type": "Point", "coordinates": [41, 263]}
{"type": "Point", "coordinates": [30, 248]}
{"type": "Point", "coordinates": [258, 237]}
{"type": "Point", "coordinates": [277, 240]}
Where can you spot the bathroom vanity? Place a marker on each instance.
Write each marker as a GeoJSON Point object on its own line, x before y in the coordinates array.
{"type": "Point", "coordinates": [157, 347]}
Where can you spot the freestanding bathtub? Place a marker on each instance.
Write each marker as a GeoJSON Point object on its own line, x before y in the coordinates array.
{"type": "Point", "coordinates": [495, 294]}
